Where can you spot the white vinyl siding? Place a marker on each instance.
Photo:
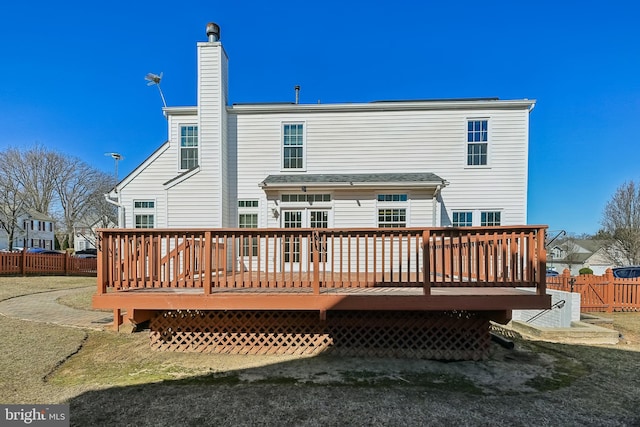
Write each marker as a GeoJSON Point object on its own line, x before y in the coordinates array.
{"type": "Point", "coordinates": [392, 142]}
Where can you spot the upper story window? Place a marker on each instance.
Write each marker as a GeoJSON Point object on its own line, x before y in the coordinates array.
{"type": "Point", "coordinates": [293, 146]}
{"type": "Point", "coordinates": [462, 219]}
{"type": "Point", "coordinates": [477, 142]}
{"type": "Point", "coordinates": [188, 146]}
{"type": "Point", "coordinates": [489, 218]}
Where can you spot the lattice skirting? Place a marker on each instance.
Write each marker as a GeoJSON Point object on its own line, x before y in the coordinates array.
{"type": "Point", "coordinates": [414, 334]}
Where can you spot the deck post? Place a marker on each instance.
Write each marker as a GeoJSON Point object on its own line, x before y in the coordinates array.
{"type": "Point", "coordinates": [208, 270]}
{"type": "Point", "coordinates": [101, 266]}
{"type": "Point", "coordinates": [426, 265]}
{"type": "Point", "coordinates": [542, 262]}
{"type": "Point", "coordinates": [316, 262]}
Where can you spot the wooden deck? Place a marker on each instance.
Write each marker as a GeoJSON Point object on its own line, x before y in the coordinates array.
{"type": "Point", "coordinates": [409, 292]}
{"type": "Point", "coordinates": [494, 269]}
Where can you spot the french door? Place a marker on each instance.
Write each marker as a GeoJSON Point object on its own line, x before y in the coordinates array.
{"type": "Point", "coordinates": [297, 250]}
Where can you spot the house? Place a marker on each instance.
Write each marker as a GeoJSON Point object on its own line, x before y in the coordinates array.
{"type": "Point", "coordinates": [85, 232]}
{"type": "Point", "coordinates": [574, 254]}
{"type": "Point", "coordinates": [439, 162]}
{"type": "Point", "coordinates": [378, 191]}
{"type": "Point", "coordinates": [34, 230]}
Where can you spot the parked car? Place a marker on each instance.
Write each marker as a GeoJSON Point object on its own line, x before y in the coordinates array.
{"type": "Point", "coordinates": [629, 272]}
{"type": "Point", "coordinates": [41, 251]}
{"type": "Point", "coordinates": [552, 273]}
{"type": "Point", "coordinates": [87, 253]}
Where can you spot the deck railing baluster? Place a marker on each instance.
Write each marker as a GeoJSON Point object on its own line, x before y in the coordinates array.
{"type": "Point", "coordinates": [298, 258]}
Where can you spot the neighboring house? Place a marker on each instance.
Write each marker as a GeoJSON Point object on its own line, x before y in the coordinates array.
{"type": "Point", "coordinates": [34, 230]}
{"type": "Point", "coordinates": [574, 254]}
{"type": "Point", "coordinates": [451, 162]}
{"type": "Point", "coordinates": [85, 232]}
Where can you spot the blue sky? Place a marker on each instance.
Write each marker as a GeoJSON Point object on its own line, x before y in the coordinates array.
{"type": "Point", "coordinates": [72, 75]}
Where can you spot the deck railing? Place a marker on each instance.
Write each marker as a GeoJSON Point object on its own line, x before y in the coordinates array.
{"type": "Point", "coordinates": [321, 258]}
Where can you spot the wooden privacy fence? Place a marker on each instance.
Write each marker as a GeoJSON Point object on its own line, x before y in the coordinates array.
{"type": "Point", "coordinates": [327, 258]}
{"type": "Point", "coordinates": [22, 263]}
{"type": "Point", "coordinates": [600, 293]}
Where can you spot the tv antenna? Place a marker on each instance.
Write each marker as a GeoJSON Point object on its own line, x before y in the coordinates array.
{"type": "Point", "coordinates": [117, 157]}
{"type": "Point", "coordinates": [154, 79]}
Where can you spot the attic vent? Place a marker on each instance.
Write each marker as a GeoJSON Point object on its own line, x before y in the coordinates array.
{"type": "Point", "coordinates": [213, 32]}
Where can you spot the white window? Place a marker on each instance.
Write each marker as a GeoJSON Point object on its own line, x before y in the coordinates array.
{"type": "Point", "coordinates": [305, 197]}
{"type": "Point", "coordinates": [248, 218]}
{"type": "Point", "coordinates": [477, 142]}
{"type": "Point", "coordinates": [188, 146]}
{"type": "Point", "coordinates": [392, 210]}
{"type": "Point", "coordinates": [462, 219]}
{"type": "Point", "coordinates": [490, 218]}
{"type": "Point", "coordinates": [293, 146]}
{"type": "Point", "coordinates": [144, 213]}
{"type": "Point", "coordinates": [144, 221]}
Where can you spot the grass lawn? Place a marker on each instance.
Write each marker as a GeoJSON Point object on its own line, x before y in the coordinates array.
{"type": "Point", "coordinates": [110, 378]}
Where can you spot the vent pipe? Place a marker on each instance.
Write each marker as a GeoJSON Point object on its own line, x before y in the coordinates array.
{"type": "Point", "coordinates": [297, 88]}
{"type": "Point", "coordinates": [213, 32]}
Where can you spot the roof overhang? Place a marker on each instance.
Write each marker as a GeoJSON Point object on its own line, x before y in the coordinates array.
{"type": "Point", "coordinates": [303, 182]}
{"type": "Point", "coordinates": [419, 105]}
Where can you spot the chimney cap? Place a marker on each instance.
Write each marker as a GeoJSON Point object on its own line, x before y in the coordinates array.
{"type": "Point", "coordinates": [213, 32]}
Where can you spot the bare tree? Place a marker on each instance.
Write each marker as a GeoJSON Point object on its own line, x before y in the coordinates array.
{"type": "Point", "coordinates": [621, 225]}
{"type": "Point", "coordinates": [61, 186]}
{"type": "Point", "coordinates": [12, 203]}
{"type": "Point", "coordinates": [80, 189]}
{"type": "Point", "coordinates": [35, 171]}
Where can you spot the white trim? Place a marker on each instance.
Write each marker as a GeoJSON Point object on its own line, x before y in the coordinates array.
{"type": "Point", "coordinates": [180, 179]}
{"type": "Point", "coordinates": [385, 106]}
{"type": "Point", "coordinates": [507, 104]}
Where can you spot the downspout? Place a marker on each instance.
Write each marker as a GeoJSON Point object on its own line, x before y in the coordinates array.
{"type": "Point", "coordinates": [118, 204]}
{"type": "Point", "coordinates": [435, 206]}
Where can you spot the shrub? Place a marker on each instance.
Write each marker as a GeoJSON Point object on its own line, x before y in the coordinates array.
{"type": "Point", "coordinates": [585, 270]}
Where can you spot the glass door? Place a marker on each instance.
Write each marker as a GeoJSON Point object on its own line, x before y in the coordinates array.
{"type": "Point", "coordinates": [297, 251]}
